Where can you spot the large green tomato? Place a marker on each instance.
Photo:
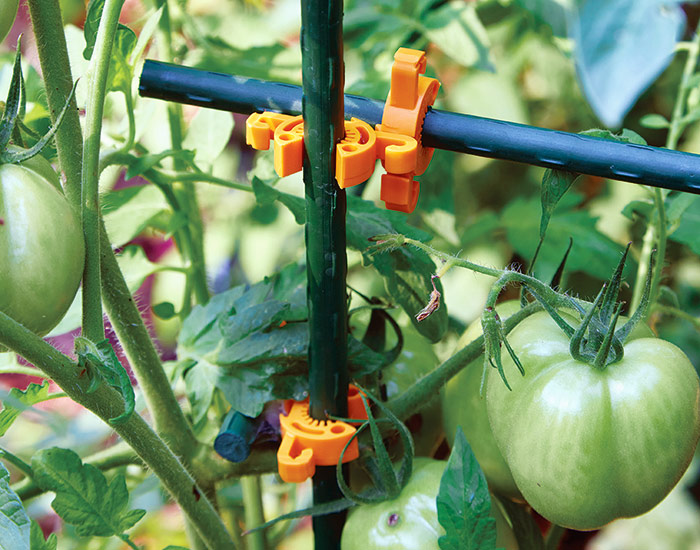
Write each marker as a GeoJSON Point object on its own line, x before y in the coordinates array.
{"type": "Point", "coordinates": [8, 11]}
{"type": "Point", "coordinates": [587, 445]}
{"type": "Point", "coordinates": [410, 521]}
{"type": "Point", "coordinates": [463, 405]}
{"type": "Point", "coordinates": [41, 248]}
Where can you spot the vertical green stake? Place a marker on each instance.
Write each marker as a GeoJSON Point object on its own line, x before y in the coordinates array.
{"type": "Point", "coordinates": [322, 108]}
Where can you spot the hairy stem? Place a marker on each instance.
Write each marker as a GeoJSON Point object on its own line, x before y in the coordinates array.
{"type": "Point", "coordinates": [427, 387]}
{"type": "Point", "coordinates": [55, 67]}
{"type": "Point", "coordinates": [93, 325]}
{"type": "Point", "coordinates": [656, 233]}
{"type": "Point", "coordinates": [106, 403]}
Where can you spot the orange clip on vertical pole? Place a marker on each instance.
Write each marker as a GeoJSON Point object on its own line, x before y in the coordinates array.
{"type": "Point", "coordinates": [307, 443]}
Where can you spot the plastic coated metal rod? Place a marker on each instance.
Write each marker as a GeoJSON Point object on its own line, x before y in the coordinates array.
{"type": "Point", "coordinates": [443, 130]}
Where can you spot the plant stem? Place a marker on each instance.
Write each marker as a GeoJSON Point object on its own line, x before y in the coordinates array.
{"type": "Point", "coordinates": [17, 462]}
{"type": "Point", "coordinates": [191, 236]}
{"type": "Point", "coordinates": [93, 325]}
{"type": "Point", "coordinates": [656, 232]}
{"type": "Point", "coordinates": [20, 369]}
{"type": "Point", "coordinates": [554, 537]}
{"type": "Point", "coordinates": [674, 311]}
{"type": "Point", "coordinates": [106, 403]}
{"type": "Point", "coordinates": [55, 67]}
{"type": "Point", "coordinates": [169, 419]}
{"type": "Point", "coordinates": [170, 422]}
{"type": "Point", "coordinates": [429, 385]}
{"type": "Point", "coordinates": [252, 501]}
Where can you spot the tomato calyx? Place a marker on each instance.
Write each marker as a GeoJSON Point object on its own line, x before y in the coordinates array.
{"type": "Point", "coordinates": [597, 341]}
{"type": "Point", "coordinates": [12, 126]}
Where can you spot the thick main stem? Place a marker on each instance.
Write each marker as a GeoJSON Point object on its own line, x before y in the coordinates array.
{"type": "Point", "coordinates": [326, 262]}
{"type": "Point", "coordinates": [106, 403]}
{"type": "Point", "coordinates": [126, 319]}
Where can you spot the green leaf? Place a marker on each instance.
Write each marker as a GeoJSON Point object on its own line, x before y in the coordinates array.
{"type": "Point", "coordinates": [554, 184]}
{"type": "Point", "coordinates": [406, 271]}
{"type": "Point", "coordinates": [625, 136]}
{"type": "Point", "coordinates": [593, 252]}
{"type": "Point", "coordinates": [84, 498]}
{"type": "Point", "coordinates": [92, 23]}
{"type": "Point", "coordinates": [148, 161]}
{"type": "Point", "coordinates": [654, 121]}
{"type": "Point", "coordinates": [689, 227]}
{"type": "Point", "coordinates": [252, 344]}
{"type": "Point", "coordinates": [676, 206]}
{"type": "Point", "coordinates": [101, 359]}
{"type": "Point", "coordinates": [526, 530]}
{"type": "Point", "coordinates": [265, 194]}
{"type": "Point", "coordinates": [14, 522]}
{"type": "Point", "coordinates": [456, 29]}
{"type": "Point", "coordinates": [120, 71]}
{"type": "Point", "coordinates": [620, 51]}
{"type": "Point", "coordinates": [208, 134]}
{"type": "Point", "coordinates": [38, 542]}
{"type": "Point", "coordinates": [638, 208]}
{"type": "Point", "coordinates": [128, 211]}
{"type": "Point", "coordinates": [463, 503]}
{"type": "Point", "coordinates": [19, 400]}
{"type": "Point", "coordinates": [552, 12]}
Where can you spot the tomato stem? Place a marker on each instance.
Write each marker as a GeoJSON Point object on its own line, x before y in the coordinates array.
{"type": "Point", "coordinates": [104, 401]}
{"type": "Point", "coordinates": [93, 324]}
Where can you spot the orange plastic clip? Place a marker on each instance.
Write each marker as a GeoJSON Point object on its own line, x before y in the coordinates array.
{"type": "Point", "coordinates": [307, 443]}
{"type": "Point", "coordinates": [396, 141]}
{"type": "Point", "coordinates": [409, 97]}
{"type": "Point", "coordinates": [356, 154]}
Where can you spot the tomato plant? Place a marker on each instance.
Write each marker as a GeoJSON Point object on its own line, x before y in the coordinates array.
{"type": "Point", "coordinates": [41, 246]}
{"type": "Point", "coordinates": [262, 273]}
{"type": "Point", "coordinates": [410, 521]}
{"type": "Point", "coordinates": [587, 445]}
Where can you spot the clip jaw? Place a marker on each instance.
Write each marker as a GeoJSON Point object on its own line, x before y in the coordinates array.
{"type": "Point", "coordinates": [307, 443]}
{"type": "Point", "coordinates": [396, 141]}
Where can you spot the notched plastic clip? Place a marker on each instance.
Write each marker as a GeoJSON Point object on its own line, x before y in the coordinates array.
{"type": "Point", "coordinates": [396, 141]}
{"type": "Point", "coordinates": [307, 443]}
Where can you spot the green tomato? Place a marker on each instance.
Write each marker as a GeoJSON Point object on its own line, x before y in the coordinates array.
{"type": "Point", "coordinates": [587, 445]}
{"type": "Point", "coordinates": [41, 249]}
{"type": "Point", "coordinates": [8, 11]}
{"type": "Point", "coordinates": [417, 359]}
{"type": "Point", "coordinates": [463, 405]}
{"type": "Point", "coordinates": [410, 521]}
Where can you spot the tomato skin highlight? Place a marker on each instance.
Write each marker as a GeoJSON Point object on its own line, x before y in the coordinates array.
{"type": "Point", "coordinates": [41, 249]}
{"type": "Point", "coordinates": [410, 522]}
{"type": "Point", "coordinates": [587, 445]}
{"type": "Point", "coordinates": [8, 12]}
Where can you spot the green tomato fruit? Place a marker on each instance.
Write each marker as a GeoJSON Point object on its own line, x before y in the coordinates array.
{"type": "Point", "coordinates": [463, 405]}
{"type": "Point", "coordinates": [41, 249]}
{"type": "Point", "coordinates": [588, 445]}
{"type": "Point", "coordinates": [410, 521]}
{"type": "Point", "coordinates": [8, 12]}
